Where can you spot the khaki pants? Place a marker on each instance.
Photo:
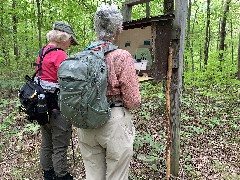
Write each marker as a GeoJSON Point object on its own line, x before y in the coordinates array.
{"type": "Point", "coordinates": [55, 142]}
{"type": "Point", "coordinates": [107, 151]}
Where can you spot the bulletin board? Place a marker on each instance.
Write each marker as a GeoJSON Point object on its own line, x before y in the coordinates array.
{"type": "Point", "coordinates": [148, 41]}
{"type": "Point", "coordinates": [138, 41]}
{"type": "Point", "coordinates": [132, 39]}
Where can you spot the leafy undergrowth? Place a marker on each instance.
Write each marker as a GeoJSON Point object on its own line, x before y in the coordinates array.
{"type": "Point", "coordinates": [210, 138]}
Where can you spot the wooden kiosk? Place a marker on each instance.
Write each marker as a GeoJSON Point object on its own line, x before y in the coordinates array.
{"type": "Point", "coordinates": [148, 40]}
{"type": "Point", "coordinates": [151, 41]}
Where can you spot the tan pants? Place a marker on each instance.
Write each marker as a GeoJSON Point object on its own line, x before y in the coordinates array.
{"type": "Point", "coordinates": [55, 142]}
{"type": "Point", "coordinates": [107, 151]}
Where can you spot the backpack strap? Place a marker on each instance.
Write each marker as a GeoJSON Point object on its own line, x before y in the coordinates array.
{"type": "Point", "coordinates": [95, 44]}
{"type": "Point", "coordinates": [41, 56]}
{"type": "Point", "coordinates": [108, 48]}
{"type": "Point", "coordinates": [105, 46]}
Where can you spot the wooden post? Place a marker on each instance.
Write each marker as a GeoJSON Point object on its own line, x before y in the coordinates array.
{"type": "Point", "coordinates": [126, 12]}
{"type": "Point", "coordinates": [176, 37]}
{"type": "Point", "coordinates": [147, 10]}
{"type": "Point", "coordinates": [168, 130]}
{"type": "Point", "coordinates": [161, 34]}
{"type": "Point", "coordinates": [127, 8]}
{"type": "Point", "coordinates": [136, 2]}
{"type": "Point", "coordinates": [168, 6]}
{"type": "Point", "coordinates": [178, 34]}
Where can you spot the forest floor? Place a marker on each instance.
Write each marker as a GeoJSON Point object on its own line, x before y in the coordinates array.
{"type": "Point", "coordinates": [209, 145]}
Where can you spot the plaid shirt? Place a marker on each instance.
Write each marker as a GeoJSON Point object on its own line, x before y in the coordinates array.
{"type": "Point", "coordinates": [122, 78]}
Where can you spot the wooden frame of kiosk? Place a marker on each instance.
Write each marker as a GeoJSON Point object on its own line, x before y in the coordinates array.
{"type": "Point", "coordinates": [148, 41]}
{"type": "Point", "coordinates": [157, 45]}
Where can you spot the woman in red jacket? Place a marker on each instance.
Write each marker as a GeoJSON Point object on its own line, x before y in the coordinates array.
{"type": "Point", "coordinates": [56, 133]}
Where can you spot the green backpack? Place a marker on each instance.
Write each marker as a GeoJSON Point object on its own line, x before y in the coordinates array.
{"type": "Point", "coordinates": [83, 85]}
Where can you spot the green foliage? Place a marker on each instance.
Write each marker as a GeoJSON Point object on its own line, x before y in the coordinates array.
{"type": "Point", "coordinates": [9, 128]}
{"type": "Point", "coordinates": [78, 14]}
{"type": "Point", "coordinates": [224, 168]}
{"type": "Point", "coordinates": [6, 131]}
{"type": "Point", "coordinates": [213, 79]}
{"type": "Point", "coordinates": [150, 90]}
{"type": "Point", "coordinates": [6, 124]}
{"type": "Point", "coordinates": [147, 139]}
{"type": "Point", "coordinates": [209, 109]}
{"type": "Point", "coordinates": [10, 116]}
{"type": "Point", "coordinates": [210, 100]}
{"type": "Point", "coordinates": [156, 9]}
{"type": "Point", "coordinates": [30, 128]}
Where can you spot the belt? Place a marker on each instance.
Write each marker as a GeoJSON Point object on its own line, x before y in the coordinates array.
{"type": "Point", "coordinates": [116, 104]}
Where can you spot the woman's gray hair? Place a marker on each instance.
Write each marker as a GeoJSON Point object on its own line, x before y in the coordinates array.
{"type": "Point", "coordinates": [57, 36]}
{"type": "Point", "coordinates": [108, 21]}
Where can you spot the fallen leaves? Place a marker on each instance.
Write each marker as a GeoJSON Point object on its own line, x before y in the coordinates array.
{"type": "Point", "coordinates": [209, 142]}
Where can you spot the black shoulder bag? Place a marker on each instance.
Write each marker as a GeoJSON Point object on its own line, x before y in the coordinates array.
{"type": "Point", "coordinates": [32, 95]}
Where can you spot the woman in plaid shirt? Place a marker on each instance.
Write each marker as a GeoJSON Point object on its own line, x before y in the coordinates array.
{"type": "Point", "coordinates": [107, 151]}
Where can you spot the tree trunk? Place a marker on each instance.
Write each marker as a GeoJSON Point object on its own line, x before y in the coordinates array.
{"type": "Point", "coordinates": [5, 53]}
{"type": "Point", "coordinates": [207, 35]}
{"type": "Point", "coordinates": [15, 39]}
{"type": "Point", "coordinates": [188, 23]}
{"type": "Point", "coordinates": [223, 32]}
{"type": "Point", "coordinates": [39, 15]}
{"type": "Point", "coordinates": [219, 28]}
{"type": "Point", "coordinates": [239, 57]}
{"type": "Point", "coordinates": [148, 13]}
{"type": "Point", "coordinates": [232, 44]}
{"type": "Point", "coordinates": [188, 45]}
{"type": "Point", "coordinates": [200, 59]}
{"type": "Point", "coordinates": [176, 84]}
{"type": "Point", "coordinates": [168, 6]}
{"type": "Point", "coordinates": [192, 32]}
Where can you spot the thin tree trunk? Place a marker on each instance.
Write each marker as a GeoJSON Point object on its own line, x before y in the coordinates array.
{"type": "Point", "coordinates": [223, 32]}
{"type": "Point", "coordinates": [219, 28]}
{"type": "Point", "coordinates": [200, 58]}
{"type": "Point", "coordinates": [232, 44]}
{"type": "Point", "coordinates": [192, 32]}
{"type": "Point", "coordinates": [207, 35]}
{"type": "Point", "coordinates": [39, 23]}
{"type": "Point", "coordinates": [239, 57]}
{"type": "Point", "coordinates": [3, 45]}
{"type": "Point", "coordinates": [188, 43]}
{"type": "Point", "coordinates": [168, 110]}
{"type": "Point", "coordinates": [27, 52]}
{"type": "Point", "coordinates": [188, 23]}
{"type": "Point", "coordinates": [15, 22]}
{"type": "Point", "coordinates": [148, 10]}
{"type": "Point", "coordinates": [168, 6]}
